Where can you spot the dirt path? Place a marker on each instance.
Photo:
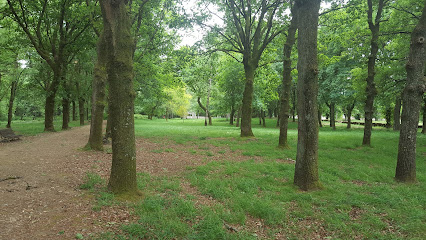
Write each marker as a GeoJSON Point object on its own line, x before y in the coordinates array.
{"type": "Point", "coordinates": [39, 196]}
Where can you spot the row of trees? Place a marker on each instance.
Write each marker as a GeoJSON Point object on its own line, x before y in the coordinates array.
{"type": "Point", "coordinates": [353, 60]}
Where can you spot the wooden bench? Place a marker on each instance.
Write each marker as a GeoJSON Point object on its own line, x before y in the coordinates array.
{"type": "Point", "coordinates": [8, 135]}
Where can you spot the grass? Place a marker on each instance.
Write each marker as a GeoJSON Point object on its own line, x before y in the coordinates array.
{"type": "Point", "coordinates": [34, 127]}
{"type": "Point", "coordinates": [360, 198]}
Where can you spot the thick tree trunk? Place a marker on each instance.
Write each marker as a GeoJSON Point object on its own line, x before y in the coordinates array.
{"type": "Point", "coordinates": [371, 90]}
{"type": "Point", "coordinates": [98, 97]}
{"type": "Point", "coordinates": [306, 169]}
{"type": "Point", "coordinates": [13, 88]}
{"type": "Point", "coordinates": [285, 96]}
{"type": "Point", "coordinates": [49, 107]}
{"type": "Point", "coordinates": [231, 116]}
{"type": "Point", "coordinates": [412, 99]}
{"type": "Point", "coordinates": [119, 42]}
{"type": "Point", "coordinates": [246, 108]}
{"type": "Point", "coordinates": [397, 114]}
{"type": "Point", "coordinates": [388, 117]}
{"type": "Point", "coordinates": [81, 110]}
{"type": "Point", "coordinates": [65, 113]}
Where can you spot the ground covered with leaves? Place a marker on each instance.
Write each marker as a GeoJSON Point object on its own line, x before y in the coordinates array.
{"type": "Point", "coordinates": [206, 183]}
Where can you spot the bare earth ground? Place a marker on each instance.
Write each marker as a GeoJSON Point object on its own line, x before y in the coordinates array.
{"type": "Point", "coordinates": [40, 177]}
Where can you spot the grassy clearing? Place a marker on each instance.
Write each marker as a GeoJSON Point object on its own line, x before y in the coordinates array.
{"type": "Point", "coordinates": [34, 127]}
{"type": "Point", "coordinates": [255, 199]}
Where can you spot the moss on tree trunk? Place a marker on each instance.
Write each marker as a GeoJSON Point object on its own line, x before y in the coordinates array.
{"type": "Point", "coordinates": [306, 169]}
{"type": "Point", "coordinates": [119, 42]}
{"type": "Point", "coordinates": [411, 103]}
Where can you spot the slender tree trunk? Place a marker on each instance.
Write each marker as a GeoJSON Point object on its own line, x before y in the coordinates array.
{"type": "Point", "coordinates": [285, 96]}
{"type": "Point", "coordinates": [208, 102]}
{"type": "Point", "coordinates": [424, 116]}
{"type": "Point", "coordinates": [98, 97]}
{"type": "Point", "coordinates": [332, 108]}
{"type": "Point", "coordinates": [119, 42]}
{"type": "Point", "coordinates": [263, 118]}
{"type": "Point", "coordinates": [371, 90]}
{"type": "Point", "coordinates": [74, 117]}
{"type": "Point", "coordinates": [349, 110]}
{"type": "Point", "coordinates": [204, 109]}
{"type": "Point", "coordinates": [238, 117]}
{"type": "Point", "coordinates": [306, 169]}
{"type": "Point", "coordinates": [231, 117]}
{"type": "Point", "coordinates": [293, 110]}
{"type": "Point", "coordinates": [247, 101]}
{"type": "Point", "coordinates": [319, 117]}
{"type": "Point", "coordinates": [13, 88]}
{"type": "Point", "coordinates": [65, 113]}
{"type": "Point", "coordinates": [260, 116]}
{"type": "Point", "coordinates": [412, 99]}
{"type": "Point", "coordinates": [397, 114]}
{"type": "Point", "coordinates": [81, 110]}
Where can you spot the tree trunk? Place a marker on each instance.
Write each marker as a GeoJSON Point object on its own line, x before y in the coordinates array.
{"type": "Point", "coordinates": [231, 116]}
{"type": "Point", "coordinates": [13, 88]}
{"type": "Point", "coordinates": [81, 110]}
{"type": "Point", "coordinates": [263, 113]}
{"type": "Point", "coordinates": [285, 96]}
{"type": "Point", "coordinates": [208, 102]}
{"type": "Point", "coordinates": [388, 117]}
{"type": "Point", "coordinates": [412, 98]}
{"type": "Point", "coordinates": [293, 110]}
{"type": "Point", "coordinates": [49, 107]}
{"type": "Point", "coordinates": [74, 117]}
{"type": "Point", "coordinates": [65, 113]}
{"type": "Point", "coordinates": [349, 110]}
{"type": "Point", "coordinates": [119, 42]}
{"type": "Point", "coordinates": [238, 117]}
{"type": "Point", "coordinates": [204, 109]}
{"type": "Point", "coordinates": [332, 107]}
{"type": "Point", "coordinates": [306, 169]}
{"type": "Point", "coordinates": [319, 117]}
{"type": "Point", "coordinates": [424, 116]}
{"type": "Point", "coordinates": [98, 97]}
{"type": "Point", "coordinates": [397, 114]}
{"type": "Point", "coordinates": [246, 108]}
{"type": "Point", "coordinates": [260, 116]}
{"type": "Point", "coordinates": [371, 90]}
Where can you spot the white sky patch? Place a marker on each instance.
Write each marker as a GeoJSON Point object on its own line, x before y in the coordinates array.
{"type": "Point", "coordinates": [191, 36]}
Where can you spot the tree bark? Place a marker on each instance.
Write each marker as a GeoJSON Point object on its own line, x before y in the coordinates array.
{"type": "Point", "coordinates": [424, 116]}
{"type": "Point", "coordinates": [284, 113]}
{"type": "Point", "coordinates": [74, 115]}
{"type": "Point", "coordinates": [98, 96]}
{"type": "Point", "coordinates": [388, 116]}
{"type": "Point", "coordinates": [349, 110]}
{"type": "Point", "coordinates": [293, 110]}
{"type": "Point", "coordinates": [119, 43]}
{"type": "Point", "coordinates": [371, 90]}
{"type": "Point", "coordinates": [208, 102]}
{"type": "Point", "coordinates": [397, 114]}
{"type": "Point", "coordinates": [205, 110]}
{"type": "Point", "coordinates": [246, 108]}
{"type": "Point", "coordinates": [319, 117]}
{"type": "Point", "coordinates": [332, 107]}
{"type": "Point", "coordinates": [263, 113]}
{"type": "Point", "coordinates": [81, 110]}
{"type": "Point", "coordinates": [13, 88]}
{"type": "Point", "coordinates": [231, 116]}
{"type": "Point", "coordinates": [238, 117]}
{"type": "Point", "coordinates": [412, 98]}
{"type": "Point", "coordinates": [306, 169]}
{"type": "Point", "coordinates": [65, 113]}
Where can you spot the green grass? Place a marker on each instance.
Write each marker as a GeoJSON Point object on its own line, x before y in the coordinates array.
{"type": "Point", "coordinates": [34, 127]}
{"type": "Point", "coordinates": [360, 198]}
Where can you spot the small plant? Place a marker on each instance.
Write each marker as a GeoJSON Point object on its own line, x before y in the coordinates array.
{"type": "Point", "coordinates": [91, 181]}
{"type": "Point", "coordinates": [157, 151]}
{"type": "Point", "coordinates": [169, 150]}
{"type": "Point", "coordinates": [210, 154]}
{"type": "Point", "coordinates": [192, 151]}
{"type": "Point", "coordinates": [222, 152]}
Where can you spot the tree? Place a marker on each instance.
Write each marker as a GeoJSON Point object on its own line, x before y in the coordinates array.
{"type": "Point", "coordinates": [119, 45]}
{"type": "Point", "coordinates": [286, 84]}
{"type": "Point", "coordinates": [412, 99]}
{"type": "Point", "coordinates": [371, 91]}
{"type": "Point", "coordinates": [306, 170]}
{"type": "Point", "coordinates": [250, 27]}
{"type": "Point", "coordinates": [52, 28]}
